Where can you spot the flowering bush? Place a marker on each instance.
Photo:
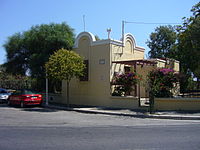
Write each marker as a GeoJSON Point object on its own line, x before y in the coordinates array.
{"type": "Point", "coordinates": [124, 83]}
{"type": "Point", "coordinates": [162, 81]}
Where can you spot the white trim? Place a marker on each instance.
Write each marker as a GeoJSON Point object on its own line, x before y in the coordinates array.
{"type": "Point", "coordinates": [107, 41]}
{"type": "Point", "coordinates": [160, 60]}
{"type": "Point", "coordinates": [100, 42]}
{"type": "Point", "coordinates": [88, 34]}
{"type": "Point", "coordinates": [132, 38]}
{"type": "Point", "coordinates": [140, 49]}
{"type": "Point", "coordinates": [93, 41]}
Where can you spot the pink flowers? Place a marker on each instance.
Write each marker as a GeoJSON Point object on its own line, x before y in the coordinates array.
{"type": "Point", "coordinates": [125, 81]}
{"type": "Point", "coordinates": [166, 70]}
{"type": "Point", "coordinates": [162, 81]}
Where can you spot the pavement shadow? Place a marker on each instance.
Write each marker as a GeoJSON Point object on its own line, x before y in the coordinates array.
{"type": "Point", "coordinates": [3, 105]}
{"type": "Point", "coordinates": [30, 108]}
{"type": "Point", "coordinates": [38, 109]}
{"type": "Point", "coordinates": [121, 109]}
{"type": "Point", "coordinates": [192, 112]}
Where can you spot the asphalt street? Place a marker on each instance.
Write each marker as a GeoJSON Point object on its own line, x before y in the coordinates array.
{"type": "Point", "coordinates": [50, 129]}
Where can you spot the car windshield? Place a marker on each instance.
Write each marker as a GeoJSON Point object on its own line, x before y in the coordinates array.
{"type": "Point", "coordinates": [30, 92]}
{"type": "Point", "coordinates": [3, 91]}
{"type": "Point", "coordinates": [24, 91]}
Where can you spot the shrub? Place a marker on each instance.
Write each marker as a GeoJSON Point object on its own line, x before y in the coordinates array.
{"type": "Point", "coordinates": [124, 83]}
{"type": "Point", "coordinates": [162, 81]}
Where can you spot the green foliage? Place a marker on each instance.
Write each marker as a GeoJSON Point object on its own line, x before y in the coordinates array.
{"type": "Point", "coordinates": [189, 43]}
{"type": "Point", "coordinates": [162, 42]}
{"type": "Point", "coordinates": [183, 46]}
{"type": "Point", "coordinates": [97, 38]}
{"type": "Point", "coordinates": [64, 65]}
{"type": "Point", "coordinates": [28, 51]}
{"type": "Point", "coordinates": [14, 82]}
{"type": "Point", "coordinates": [162, 81]}
{"type": "Point", "coordinates": [16, 55]}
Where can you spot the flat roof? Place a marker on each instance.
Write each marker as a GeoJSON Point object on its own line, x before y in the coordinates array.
{"type": "Point", "coordinates": [134, 62]}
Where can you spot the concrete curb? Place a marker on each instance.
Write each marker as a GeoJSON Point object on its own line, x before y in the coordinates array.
{"type": "Point", "coordinates": [153, 116]}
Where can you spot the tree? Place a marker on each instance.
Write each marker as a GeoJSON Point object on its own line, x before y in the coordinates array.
{"type": "Point", "coordinates": [64, 65]}
{"type": "Point", "coordinates": [28, 51]}
{"type": "Point", "coordinates": [189, 43]}
{"type": "Point", "coordinates": [162, 42]}
{"type": "Point", "coordinates": [16, 55]}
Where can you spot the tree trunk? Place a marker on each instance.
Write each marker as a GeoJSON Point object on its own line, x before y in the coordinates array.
{"type": "Point", "coordinates": [151, 102]}
{"type": "Point", "coordinates": [68, 94]}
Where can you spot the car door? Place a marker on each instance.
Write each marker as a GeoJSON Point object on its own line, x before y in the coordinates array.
{"type": "Point", "coordinates": [15, 98]}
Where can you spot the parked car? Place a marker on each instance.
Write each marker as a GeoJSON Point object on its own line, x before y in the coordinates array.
{"type": "Point", "coordinates": [25, 97]}
{"type": "Point", "coordinates": [4, 94]}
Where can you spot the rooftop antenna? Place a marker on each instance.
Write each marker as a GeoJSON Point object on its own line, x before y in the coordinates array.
{"type": "Point", "coordinates": [109, 30]}
{"type": "Point", "coordinates": [84, 23]}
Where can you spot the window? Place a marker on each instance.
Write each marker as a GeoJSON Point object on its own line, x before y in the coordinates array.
{"type": "Point", "coordinates": [127, 69]}
{"type": "Point", "coordinates": [85, 76]}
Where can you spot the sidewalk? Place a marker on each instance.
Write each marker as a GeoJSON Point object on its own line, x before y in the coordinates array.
{"type": "Point", "coordinates": [130, 113]}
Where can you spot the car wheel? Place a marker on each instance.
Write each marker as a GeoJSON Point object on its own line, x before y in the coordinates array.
{"type": "Point", "coordinates": [9, 104]}
{"type": "Point", "coordinates": [22, 104]}
{"type": "Point", "coordinates": [40, 105]}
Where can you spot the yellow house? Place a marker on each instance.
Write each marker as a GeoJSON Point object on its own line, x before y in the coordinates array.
{"type": "Point", "coordinates": [103, 59]}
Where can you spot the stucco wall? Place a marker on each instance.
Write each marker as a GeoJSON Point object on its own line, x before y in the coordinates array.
{"type": "Point", "coordinates": [100, 54]}
{"type": "Point", "coordinates": [177, 104]}
{"type": "Point", "coordinates": [177, 66]}
{"type": "Point", "coordinates": [97, 90]}
{"type": "Point", "coordinates": [144, 71]}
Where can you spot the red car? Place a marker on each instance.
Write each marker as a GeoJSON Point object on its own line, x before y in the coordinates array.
{"type": "Point", "coordinates": [25, 97]}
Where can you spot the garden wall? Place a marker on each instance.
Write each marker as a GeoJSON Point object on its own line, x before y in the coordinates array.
{"type": "Point", "coordinates": [128, 102]}
{"type": "Point", "coordinates": [124, 102]}
{"type": "Point", "coordinates": [53, 98]}
{"type": "Point", "coordinates": [184, 104]}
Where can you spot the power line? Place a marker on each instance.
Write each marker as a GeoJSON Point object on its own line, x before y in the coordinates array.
{"type": "Point", "coordinates": [149, 22]}
{"type": "Point", "coordinates": [133, 22]}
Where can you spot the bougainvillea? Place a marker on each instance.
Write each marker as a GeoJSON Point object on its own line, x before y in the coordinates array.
{"type": "Point", "coordinates": [162, 81]}
{"type": "Point", "coordinates": [124, 83]}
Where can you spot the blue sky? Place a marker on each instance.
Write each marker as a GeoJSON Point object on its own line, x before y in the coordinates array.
{"type": "Point", "coordinates": [20, 15]}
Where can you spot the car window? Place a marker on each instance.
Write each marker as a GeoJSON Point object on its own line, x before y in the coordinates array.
{"type": "Point", "coordinates": [3, 91]}
{"type": "Point", "coordinates": [30, 92]}
{"type": "Point", "coordinates": [24, 91]}
{"type": "Point", "coordinates": [17, 92]}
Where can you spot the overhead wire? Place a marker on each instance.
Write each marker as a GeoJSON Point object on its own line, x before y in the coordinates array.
{"type": "Point", "coordinates": [149, 22]}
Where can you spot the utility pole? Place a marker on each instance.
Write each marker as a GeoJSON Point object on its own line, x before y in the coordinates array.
{"type": "Point", "coordinates": [47, 91]}
{"type": "Point", "coordinates": [123, 22]}
{"type": "Point", "coordinates": [123, 32]}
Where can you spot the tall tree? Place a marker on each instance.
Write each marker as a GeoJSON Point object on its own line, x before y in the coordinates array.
{"type": "Point", "coordinates": [16, 55]}
{"type": "Point", "coordinates": [189, 43]}
{"type": "Point", "coordinates": [64, 65]}
{"type": "Point", "coordinates": [162, 42]}
{"type": "Point", "coordinates": [28, 51]}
